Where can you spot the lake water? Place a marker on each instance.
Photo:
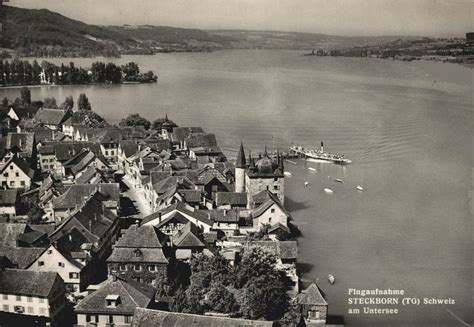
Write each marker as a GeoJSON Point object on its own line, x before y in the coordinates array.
{"type": "Point", "coordinates": [406, 126]}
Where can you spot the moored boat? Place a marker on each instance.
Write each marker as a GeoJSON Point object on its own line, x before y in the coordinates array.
{"type": "Point", "coordinates": [328, 191]}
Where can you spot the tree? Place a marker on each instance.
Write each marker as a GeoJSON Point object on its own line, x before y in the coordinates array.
{"type": "Point", "coordinates": [220, 299]}
{"type": "Point", "coordinates": [131, 71]}
{"type": "Point", "coordinates": [83, 102]}
{"type": "Point", "coordinates": [50, 102]}
{"type": "Point", "coordinates": [135, 120]}
{"type": "Point", "coordinates": [265, 297]}
{"type": "Point", "coordinates": [25, 96]}
{"type": "Point", "coordinates": [68, 103]}
{"type": "Point", "coordinates": [256, 261]}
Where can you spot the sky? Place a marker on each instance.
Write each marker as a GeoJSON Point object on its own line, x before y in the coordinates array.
{"type": "Point", "coordinates": [442, 18]}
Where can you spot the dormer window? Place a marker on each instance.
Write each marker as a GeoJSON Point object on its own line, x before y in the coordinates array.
{"type": "Point", "coordinates": [137, 252]}
{"type": "Point", "coordinates": [112, 300]}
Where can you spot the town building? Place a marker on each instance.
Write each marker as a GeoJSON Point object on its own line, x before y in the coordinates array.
{"type": "Point", "coordinates": [263, 174]}
{"type": "Point", "coordinates": [141, 254]}
{"type": "Point", "coordinates": [9, 202]}
{"type": "Point", "coordinates": [313, 306]}
{"type": "Point", "coordinates": [114, 303]}
{"type": "Point", "coordinates": [31, 298]}
{"type": "Point", "coordinates": [16, 173]}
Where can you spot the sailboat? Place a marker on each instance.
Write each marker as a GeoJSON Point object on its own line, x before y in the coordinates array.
{"type": "Point", "coordinates": [359, 187]}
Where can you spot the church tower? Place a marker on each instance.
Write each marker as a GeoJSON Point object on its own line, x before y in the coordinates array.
{"type": "Point", "coordinates": [240, 167]}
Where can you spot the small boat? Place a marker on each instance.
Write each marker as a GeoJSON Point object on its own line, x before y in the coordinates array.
{"type": "Point", "coordinates": [312, 169]}
{"type": "Point", "coordinates": [338, 180]}
{"type": "Point", "coordinates": [359, 188]}
{"type": "Point", "coordinates": [306, 183]}
{"type": "Point", "coordinates": [287, 174]}
{"type": "Point", "coordinates": [331, 279]}
{"type": "Point", "coordinates": [328, 191]}
{"type": "Point", "coordinates": [292, 162]}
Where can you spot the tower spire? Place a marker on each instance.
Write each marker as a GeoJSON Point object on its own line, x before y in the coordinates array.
{"type": "Point", "coordinates": [240, 162]}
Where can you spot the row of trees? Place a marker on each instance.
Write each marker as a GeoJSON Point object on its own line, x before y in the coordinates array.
{"type": "Point", "coordinates": [253, 289]}
{"type": "Point", "coordinates": [49, 102]}
{"type": "Point", "coordinates": [137, 120]}
{"type": "Point", "coordinates": [22, 72]}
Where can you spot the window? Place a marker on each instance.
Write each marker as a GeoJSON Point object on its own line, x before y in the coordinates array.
{"type": "Point", "coordinates": [270, 219]}
{"type": "Point", "coordinates": [12, 183]}
{"type": "Point", "coordinates": [128, 319]}
{"type": "Point", "coordinates": [40, 263]}
{"type": "Point", "coordinates": [275, 187]}
{"type": "Point", "coordinates": [6, 307]}
{"type": "Point", "coordinates": [137, 268]}
{"type": "Point", "coordinates": [111, 318]}
{"type": "Point", "coordinates": [43, 311]}
{"type": "Point", "coordinates": [29, 299]}
{"type": "Point", "coordinates": [5, 175]}
{"type": "Point", "coordinates": [272, 210]}
{"type": "Point", "coordinates": [106, 153]}
{"type": "Point", "coordinates": [61, 264]}
{"type": "Point", "coordinates": [73, 275]}
{"type": "Point", "coordinates": [17, 174]}
{"type": "Point", "coordinates": [5, 296]}
{"type": "Point", "coordinates": [41, 300]}
{"type": "Point", "coordinates": [18, 297]}
{"type": "Point", "coordinates": [50, 251]}
{"type": "Point", "coordinates": [30, 310]}
{"type": "Point", "coordinates": [123, 267]}
{"type": "Point", "coordinates": [275, 179]}
{"type": "Point", "coordinates": [11, 167]}
{"type": "Point", "coordinates": [151, 268]}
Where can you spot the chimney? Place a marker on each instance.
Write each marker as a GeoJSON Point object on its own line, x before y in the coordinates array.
{"type": "Point", "coordinates": [159, 217]}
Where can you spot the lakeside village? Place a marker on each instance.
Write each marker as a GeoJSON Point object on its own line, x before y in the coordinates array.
{"type": "Point", "coordinates": [452, 50]}
{"type": "Point", "coordinates": [141, 224]}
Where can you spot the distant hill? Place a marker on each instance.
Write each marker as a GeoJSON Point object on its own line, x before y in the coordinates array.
{"type": "Point", "coordinates": [44, 33]}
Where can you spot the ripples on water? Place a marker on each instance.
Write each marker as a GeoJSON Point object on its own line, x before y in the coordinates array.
{"type": "Point", "coordinates": [410, 140]}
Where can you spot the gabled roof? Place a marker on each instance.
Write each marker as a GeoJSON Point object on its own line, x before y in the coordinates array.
{"type": "Point", "coordinates": [284, 249]}
{"type": "Point", "coordinates": [8, 197]}
{"type": "Point", "coordinates": [29, 283]}
{"type": "Point", "coordinates": [129, 147]}
{"type": "Point", "coordinates": [75, 194]}
{"type": "Point", "coordinates": [141, 237]}
{"type": "Point", "coordinates": [312, 296]}
{"type": "Point", "coordinates": [203, 143]}
{"type": "Point", "coordinates": [183, 208]}
{"type": "Point", "coordinates": [225, 216]}
{"type": "Point", "coordinates": [23, 257]}
{"type": "Point", "coordinates": [156, 318]}
{"type": "Point", "coordinates": [272, 199]}
{"type": "Point", "coordinates": [232, 198]}
{"type": "Point", "coordinates": [189, 237]}
{"type": "Point", "coordinates": [65, 150]}
{"type": "Point", "coordinates": [20, 163]}
{"type": "Point", "coordinates": [131, 295]}
{"type": "Point", "coordinates": [179, 134]}
{"type": "Point", "coordinates": [50, 116]}
{"type": "Point", "coordinates": [191, 196]}
{"type": "Point", "coordinates": [140, 255]}
{"type": "Point", "coordinates": [87, 175]}
{"type": "Point", "coordinates": [90, 218]}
